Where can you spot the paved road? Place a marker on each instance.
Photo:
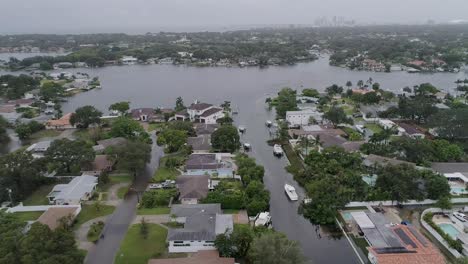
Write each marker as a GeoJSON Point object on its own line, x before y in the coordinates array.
{"type": "Point", "coordinates": [318, 247]}
{"type": "Point", "coordinates": [117, 224]}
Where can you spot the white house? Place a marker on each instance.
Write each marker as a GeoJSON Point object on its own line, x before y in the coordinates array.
{"type": "Point", "coordinates": [201, 112]}
{"type": "Point", "coordinates": [79, 189]}
{"type": "Point", "coordinates": [38, 149]}
{"type": "Point", "coordinates": [202, 223]}
{"type": "Point", "coordinates": [389, 124]}
{"type": "Point", "coordinates": [302, 118]}
{"type": "Point", "coordinates": [128, 60]}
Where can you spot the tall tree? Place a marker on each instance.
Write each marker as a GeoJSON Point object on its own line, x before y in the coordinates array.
{"type": "Point", "coordinates": [275, 248]}
{"type": "Point", "coordinates": [129, 128]}
{"type": "Point", "coordinates": [286, 101]}
{"type": "Point", "coordinates": [120, 107]}
{"type": "Point", "coordinates": [86, 116]}
{"type": "Point", "coordinates": [336, 115]}
{"type": "Point", "coordinates": [226, 139]}
{"type": "Point", "coordinates": [70, 156]}
{"type": "Point", "coordinates": [132, 156]}
{"type": "Point", "coordinates": [179, 106]}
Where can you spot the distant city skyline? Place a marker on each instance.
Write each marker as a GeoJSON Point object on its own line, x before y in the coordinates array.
{"type": "Point", "coordinates": [140, 16]}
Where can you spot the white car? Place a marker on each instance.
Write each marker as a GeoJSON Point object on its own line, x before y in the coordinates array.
{"type": "Point", "coordinates": [155, 186]}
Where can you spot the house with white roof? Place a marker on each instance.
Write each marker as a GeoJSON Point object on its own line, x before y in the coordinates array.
{"type": "Point", "coordinates": [128, 60]}
{"type": "Point", "coordinates": [79, 189]}
{"type": "Point", "coordinates": [389, 124]}
{"type": "Point", "coordinates": [302, 118]}
{"type": "Point", "coordinates": [38, 149]}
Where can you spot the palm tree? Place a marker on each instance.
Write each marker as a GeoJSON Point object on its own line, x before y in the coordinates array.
{"type": "Point", "coordinates": [349, 84]}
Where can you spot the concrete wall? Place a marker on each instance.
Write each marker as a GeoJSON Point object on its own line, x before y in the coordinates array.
{"type": "Point", "coordinates": [190, 246]}
{"type": "Point", "coordinates": [35, 208]}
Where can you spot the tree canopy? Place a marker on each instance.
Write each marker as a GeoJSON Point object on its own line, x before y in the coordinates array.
{"type": "Point", "coordinates": [226, 139]}
{"type": "Point", "coordinates": [69, 155]}
{"type": "Point", "coordinates": [131, 156]}
{"type": "Point", "coordinates": [86, 116]}
{"type": "Point", "coordinates": [336, 115]}
{"type": "Point", "coordinates": [275, 248]}
{"type": "Point", "coordinates": [121, 107]}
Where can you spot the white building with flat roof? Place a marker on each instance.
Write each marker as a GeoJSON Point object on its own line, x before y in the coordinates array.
{"type": "Point", "coordinates": [79, 189]}
{"type": "Point", "coordinates": [302, 118]}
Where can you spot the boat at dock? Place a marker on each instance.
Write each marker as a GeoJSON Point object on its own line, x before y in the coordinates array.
{"type": "Point", "coordinates": [242, 129]}
{"type": "Point", "coordinates": [277, 150]}
{"type": "Point", "coordinates": [268, 123]}
{"type": "Point", "coordinates": [291, 192]}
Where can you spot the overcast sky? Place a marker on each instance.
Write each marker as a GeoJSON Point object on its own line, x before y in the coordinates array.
{"type": "Point", "coordinates": [139, 16]}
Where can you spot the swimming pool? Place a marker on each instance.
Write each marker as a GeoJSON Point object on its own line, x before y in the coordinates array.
{"type": "Point", "coordinates": [449, 229]}
{"type": "Point", "coordinates": [347, 216]}
{"type": "Point", "coordinates": [458, 190]}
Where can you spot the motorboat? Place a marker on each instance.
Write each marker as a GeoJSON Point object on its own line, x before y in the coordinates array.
{"type": "Point", "coordinates": [277, 150]}
{"type": "Point", "coordinates": [242, 129]}
{"type": "Point", "coordinates": [268, 123]}
{"type": "Point", "coordinates": [263, 219]}
{"type": "Point", "coordinates": [247, 146]}
{"type": "Point", "coordinates": [291, 192]}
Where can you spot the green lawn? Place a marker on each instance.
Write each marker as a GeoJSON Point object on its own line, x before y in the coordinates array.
{"type": "Point", "coordinates": [154, 211]}
{"type": "Point", "coordinates": [89, 212]}
{"type": "Point", "coordinates": [38, 197]}
{"type": "Point", "coordinates": [122, 191]}
{"type": "Point", "coordinates": [230, 211]}
{"type": "Point", "coordinates": [137, 250]}
{"type": "Point", "coordinates": [84, 134]}
{"type": "Point", "coordinates": [361, 243]}
{"type": "Point", "coordinates": [44, 134]}
{"type": "Point", "coordinates": [94, 231]}
{"type": "Point", "coordinates": [374, 128]}
{"type": "Point", "coordinates": [162, 174]}
{"type": "Point", "coordinates": [119, 178]}
{"type": "Point", "coordinates": [28, 216]}
{"type": "Point", "coordinates": [152, 127]}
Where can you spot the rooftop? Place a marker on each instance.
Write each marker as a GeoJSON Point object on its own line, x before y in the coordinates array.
{"type": "Point", "coordinates": [202, 226]}
{"type": "Point", "coordinates": [53, 216]}
{"type": "Point", "coordinates": [450, 167]}
{"type": "Point", "coordinates": [411, 129]}
{"type": "Point", "coordinates": [193, 186]}
{"type": "Point", "coordinates": [186, 210]}
{"type": "Point", "coordinates": [372, 160]}
{"type": "Point", "coordinates": [202, 256]}
{"type": "Point", "coordinates": [202, 161]}
{"type": "Point", "coordinates": [63, 121]}
{"type": "Point", "coordinates": [102, 162]}
{"type": "Point", "coordinates": [75, 189]}
{"type": "Point", "coordinates": [203, 129]}
{"type": "Point", "coordinates": [112, 142]}
{"type": "Point", "coordinates": [211, 111]}
{"type": "Point", "coordinates": [199, 106]}
{"type": "Point", "coordinates": [202, 142]}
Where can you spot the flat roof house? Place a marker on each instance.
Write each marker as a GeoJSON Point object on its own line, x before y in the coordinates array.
{"type": "Point", "coordinates": [199, 232]}
{"type": "Point", "coordinates": [302, 118]}
{"type": "Point", "coordinates": [79, 189]}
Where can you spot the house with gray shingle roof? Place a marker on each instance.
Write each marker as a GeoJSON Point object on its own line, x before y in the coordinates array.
{"type": "Point", "coordinates": [201, 226]}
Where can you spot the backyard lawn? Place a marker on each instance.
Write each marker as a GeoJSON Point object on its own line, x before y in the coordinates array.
{"type": "Point", "coordinates": [38, 197]}
{"type": "Point", "coordinates": [44, 134]}
{"type": "Point", "coordinates": [135, 249]}
{"type": "Point", "coordinates": [28, 216]}
{"type": "Point", "coordinates": [154, 211]}
{"type": "Point", "coordinates": [152, 127]}
{"type": "Point", "coordinates": [89, 211]}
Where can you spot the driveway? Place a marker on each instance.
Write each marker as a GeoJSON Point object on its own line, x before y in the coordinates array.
{"type": "Point", "coordinates": [117, 224]}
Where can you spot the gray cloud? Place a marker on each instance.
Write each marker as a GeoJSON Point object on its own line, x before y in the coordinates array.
{"type": "Point", "coordinates": [136, 16]}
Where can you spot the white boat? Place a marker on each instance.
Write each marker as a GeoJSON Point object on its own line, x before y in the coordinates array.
{"type": "Point", "coordinates": [291, 192]}
{"type": "Point", "coordinates": [247, 146]}
{"type": "Point", "coordinates": [263, 219]}
{"type": "Point", "coordinates": [242, 129]}
{"type": "Point", "coordinates": [277, 150]}
{"type": "Point", "coordinates": [268, 123]}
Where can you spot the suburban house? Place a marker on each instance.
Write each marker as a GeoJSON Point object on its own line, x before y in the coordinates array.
{"type": "Point", "coordinates": [391, 244]}
{"type": "Point", "coordinates": [200, 144]}
{"type": "Point", "coordinates": [54, 217]}
{"type": "Point", "coordinates": [202, 257]}
{"type": "Point", "coordinates": [103, 144]}
{"type": "Point", "coordinates": [192, 188]}
{"type": "Point", "coordinates": [201, 226]}
{"type": "Point", "coordinates": [61, 123]}
{"type": "Point", "coordinates": [201, 113]}
{"type": "Point", "coordinates": [389, 124]}
{"type": "Point", "coordinates": [79, 189]}
{"type": "Point", "coordinates": [314, 130]}
{"type": "Point", "coordinates": [143, 114]}
{"type": "Point", "coordinates": [128, 60]}
{"type": "Point", "coordinates": [412, 131]}
{"type": "Point", "coordinates": [214, 164]}
{"type": "Point", "coordinates": [302, 118]}
{"type": "Point", "coordinates": [38, 149]}
{"type": "Point", "coordinates": [205, 129]}
{"type": "Point", "coordinates": [101, 163]}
